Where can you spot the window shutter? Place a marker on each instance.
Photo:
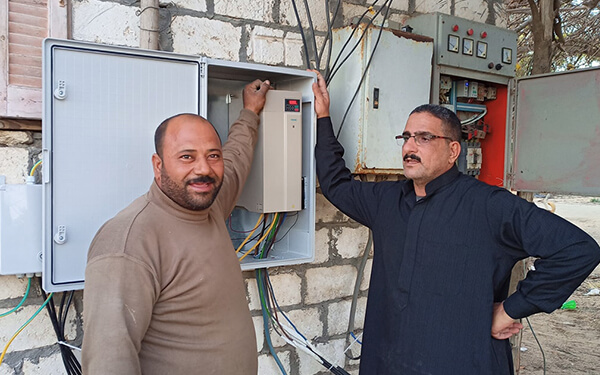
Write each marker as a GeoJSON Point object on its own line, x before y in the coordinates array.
{"type": "Point", "coordinates": [23, 26]}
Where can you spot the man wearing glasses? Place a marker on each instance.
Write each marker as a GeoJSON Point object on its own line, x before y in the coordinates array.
{"type": "Point", "coordinates": [445, 245]}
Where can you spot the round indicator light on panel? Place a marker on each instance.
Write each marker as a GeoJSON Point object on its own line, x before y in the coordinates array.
{"type": "Point", "coordinates": [483, 35]}
{"type": "Point", "coordinates": [470, 32]}
{"type": "Point", "coordinates": [455, 28]}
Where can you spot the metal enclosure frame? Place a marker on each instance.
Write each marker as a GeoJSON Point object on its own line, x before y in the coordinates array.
{"type": "Point", "coordinates": [101, 107]}
{"type": "Point", "coordinates": [439, 26]}
{"type": "Point", "coordinates": [555, 133]}
{"type": "Point", "coordinates": [397, 80]}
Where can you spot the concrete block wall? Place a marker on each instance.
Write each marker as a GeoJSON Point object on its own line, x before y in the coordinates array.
{"type": "Point", "coordinates": [316, 296]}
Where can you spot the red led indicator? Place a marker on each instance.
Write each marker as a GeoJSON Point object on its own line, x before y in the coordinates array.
{"type": "Point", "coordinates": [455, 28]}
{"type": "Point", "coordinates": [292, 105]}
{"type": "Point", "coordinates": [470, 32]}
{"type": "Point", "coordinates": [483, 34]}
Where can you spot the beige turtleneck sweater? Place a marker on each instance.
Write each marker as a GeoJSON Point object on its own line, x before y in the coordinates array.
{"type": "Point", "coordinates": [164, 293]}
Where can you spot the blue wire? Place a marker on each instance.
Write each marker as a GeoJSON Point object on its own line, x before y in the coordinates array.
{"type": "Point", "coordinates": [355, 338]}
{"type": "Point", "coordinates": [266, 325]}
{"type": "Point", "coordinates": [22, 301]}
{"type": "Point", "coordinates": [279, 308]}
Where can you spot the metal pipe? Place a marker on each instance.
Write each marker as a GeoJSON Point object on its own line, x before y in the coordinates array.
{"type": "Point", "coordinates": [149, 24]}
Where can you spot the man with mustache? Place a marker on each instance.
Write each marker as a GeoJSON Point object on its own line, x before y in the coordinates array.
{"type": "Point", "coordinates": [164, 293]}
{"type": "Point", "coordinates": [445, 245]}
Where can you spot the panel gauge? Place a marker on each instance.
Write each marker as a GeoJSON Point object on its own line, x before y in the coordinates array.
{"type": "Point", "coordinates": [453, 43]}
{"type": "Point", "coordinates": [506, 55]}
{"type": "Point", "coordinates": [467, 46]}
{"type": "Point", "coordinates": [482, 49]}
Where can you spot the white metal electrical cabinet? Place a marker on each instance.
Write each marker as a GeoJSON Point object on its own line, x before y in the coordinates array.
{"type": "Point", "coordinates": [20, 235]}
{"type": "Point", "coordinates": [396, 80]}
{"type": "Point", "coordinates": [555, 128]}
{"type": "Point", "coordinates": [102, 105]}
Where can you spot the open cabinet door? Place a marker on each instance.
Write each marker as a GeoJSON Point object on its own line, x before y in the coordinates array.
{"type": "Point", "coordinates": [273, 172]}
{"type": "Point", "coordinates": [102, 105]}
{"type": "Point", "coordinates": [556, 133]}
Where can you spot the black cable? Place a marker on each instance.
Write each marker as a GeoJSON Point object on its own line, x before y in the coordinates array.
{"type": "Point", "coordinates": [329, 77]}
{"type": "Point", "coordinates": [63, 320]}
{"type": "Point", "coordinates": [271, 242]}
{"type": "Point", "coordinates": [253, 238]}
{"type": "Point", "coordinates": [302, 34]}
{"type": "Point", "coordinates": [337, 370]}
{"type": "Point", "coordinates": [70, 362]}
{"type": "Point", "coordinates": [62, 317]}
{"type": "Point", "coordinates": [312, 30]}
{"type": "Point", "coordinates": [335, 68]}
{"type": "Point", "coordinates": [290, 228]}
{"type": "Point", "coordinates": [359, 275]}
{"type": "Point", "coordinates": [538, 342]}
{"type": "Point", "coordinates": [329, 37]}
{"type": "Point", "coordinates": [362, 78]}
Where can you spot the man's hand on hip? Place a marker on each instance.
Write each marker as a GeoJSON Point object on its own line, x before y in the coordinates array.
{"type": "Point", "coordinates": [503, 326]}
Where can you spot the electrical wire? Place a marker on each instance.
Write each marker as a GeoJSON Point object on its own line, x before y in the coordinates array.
{"type": "Point", "coordinates": [35, 166]}
{"type": "Point", "coordinates": [268, 244]}
{"type": "Point", "coordinates": [266, 322]}
{"type": "Point", "coordinates": [71, 363]}
{"type": "Point", "coordinates": [538, 342]}
{"type": "Point", "coordinates": [230, 225]}
{"type": "Point", "coordinates": [335, 67]}
{"type": "Point", "coordinates": [22, 301]}
{"type": "Point", "coordinates": [362, 78]}
{"type": "Point", "coordinates": [23, 327]}
{"type": "Point", "coordinates": [260, 218]}
{"type": "Point", "coordinates": [301, 34]}
{"type": "Point", "coordinates": [290, 228]}
{"type": "Point", "coordinates": [359, 276]}
{"type": "Point", "coordinates": [286, 329]}
{"type": "Point", "coordinates": [270, 307]}
{"type": "Point", "coordinates": [474, 118]}
{"type": "Point", "coordinates": [329, 37]}
{"type": "Point", "coordinates": [356, 339]}
{"type": "Point", "coordinates": [312, 30]}
{"type": "Point", "coordinates": [261, 239]}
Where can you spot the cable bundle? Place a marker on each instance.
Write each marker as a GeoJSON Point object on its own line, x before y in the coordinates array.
{"type": "Point", "coordinates": [59, 320]}
{"type": "Point", "coordinates": [285, 328]}
{"type": "Point", "coordinates": [267, 237]}
{"type": "Point", "coordinates": [26, 323]}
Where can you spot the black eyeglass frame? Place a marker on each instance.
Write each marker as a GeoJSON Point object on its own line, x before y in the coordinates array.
{"type": "Point", "coordinates": [420, 137]}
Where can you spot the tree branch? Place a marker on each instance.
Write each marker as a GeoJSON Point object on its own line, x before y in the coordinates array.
{"type": "Point", "coordinates": [534, 9]}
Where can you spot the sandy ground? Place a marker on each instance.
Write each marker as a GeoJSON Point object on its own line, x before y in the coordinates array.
{"type": "Point", "coordinates": [570, 339]}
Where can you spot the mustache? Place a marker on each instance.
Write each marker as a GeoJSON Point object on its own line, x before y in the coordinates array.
{"type": "Point", "coordinates": [411, 156]}
{"type": "Point", "coordinates": [201, 179]}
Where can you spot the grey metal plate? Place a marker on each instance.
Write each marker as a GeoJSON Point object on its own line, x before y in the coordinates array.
{"type": "Point", "coordinates": [557, 138]}
{"type": "Point", "coordinates": [99, 140]}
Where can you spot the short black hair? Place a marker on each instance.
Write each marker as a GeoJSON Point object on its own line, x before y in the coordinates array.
{"type": "Point", "coordinates": [449, 119]}
{"type": "Point", "coordinates": [159, 134]}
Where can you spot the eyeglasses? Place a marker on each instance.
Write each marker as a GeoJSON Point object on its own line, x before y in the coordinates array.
{"type": "Point", "coordinates": [421, 139]}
